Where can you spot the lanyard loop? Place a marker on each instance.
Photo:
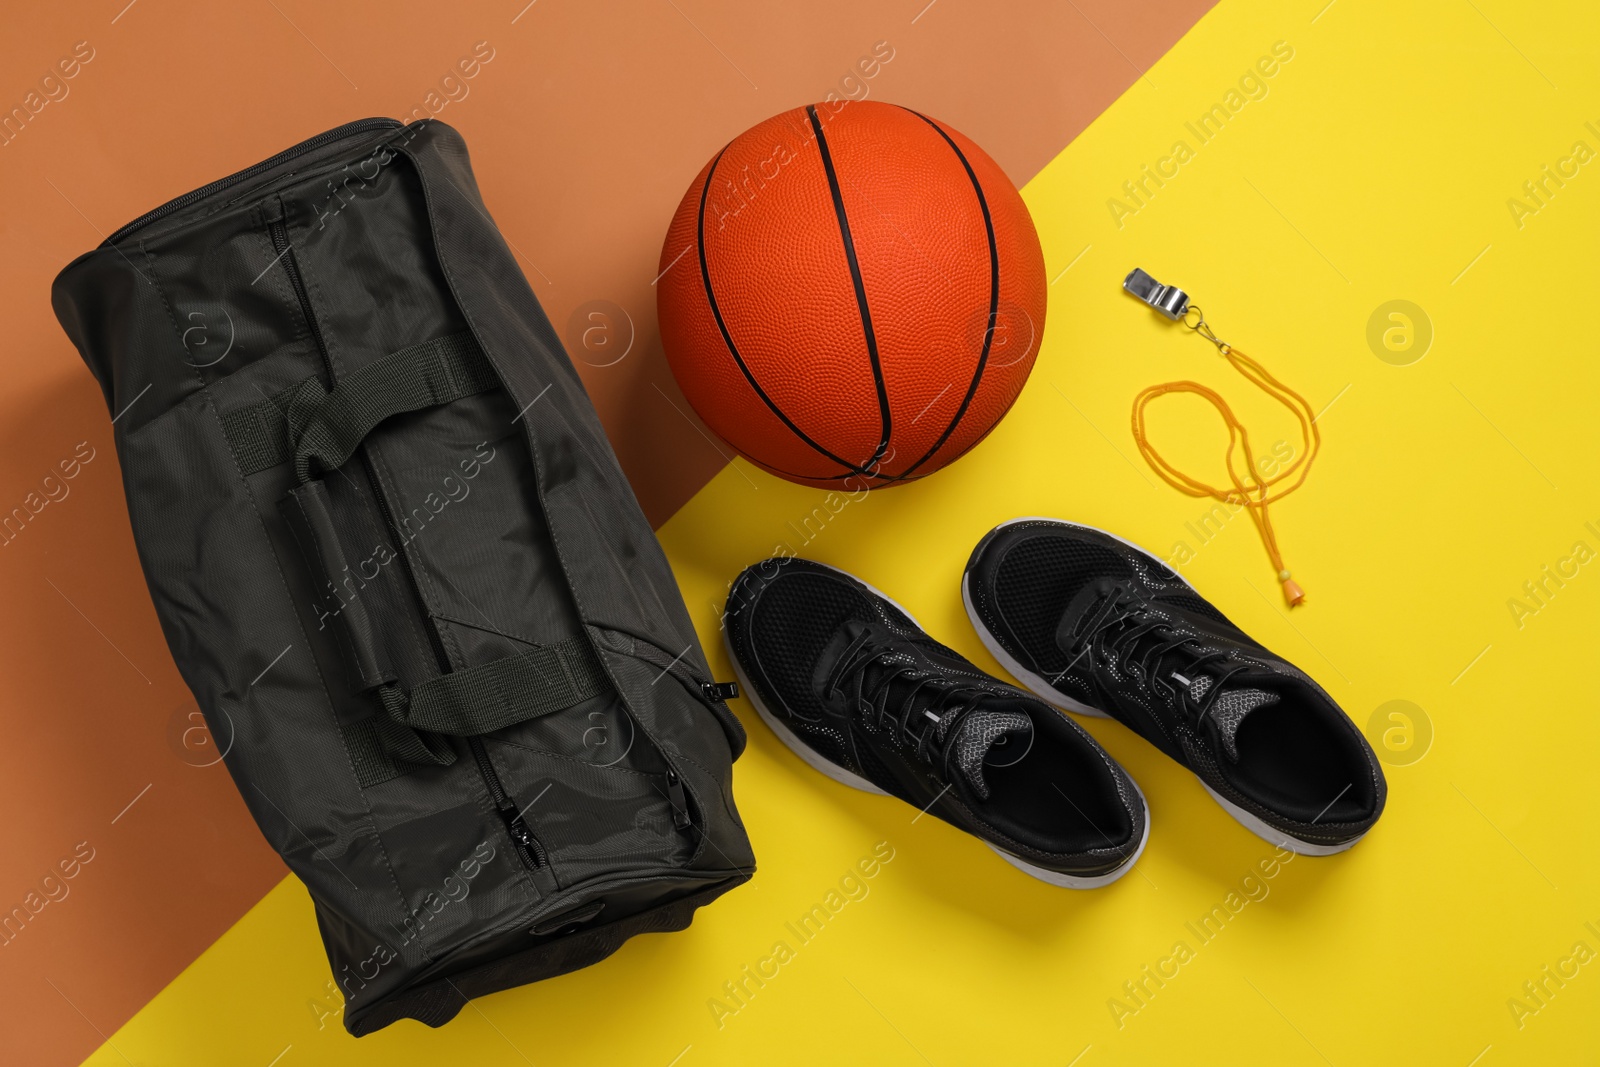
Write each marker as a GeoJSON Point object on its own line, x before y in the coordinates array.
{"type": "Point", "coordinates": [1252, 489]}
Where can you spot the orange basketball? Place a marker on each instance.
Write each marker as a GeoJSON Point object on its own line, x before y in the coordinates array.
{"type": "Point", "coordinates": [851, 294]}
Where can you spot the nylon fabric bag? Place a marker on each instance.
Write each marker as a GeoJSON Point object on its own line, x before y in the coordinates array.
{"type": "Point", "coordinates": [396, 561]}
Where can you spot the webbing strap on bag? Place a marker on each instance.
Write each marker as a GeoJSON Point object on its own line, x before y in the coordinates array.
{"type": "Point", "coordinates": [541, 681]}
{"type": "Point", "coordinates": [259, 434]}
{"type": "Point", "coordinates": [379, 747]}
{"type": "Point", "coordinates": [306, 512]}
{"type": "Point", "coordinates": [494, 695]}
{"type": "Point", "coordinates": [309, 516]}
{"type": "Point", "coordinates": [329, 428]}
{"type": "Point", "coordinates": [310, 425]}
{"type": "Point", "coordinates": [306, 422]}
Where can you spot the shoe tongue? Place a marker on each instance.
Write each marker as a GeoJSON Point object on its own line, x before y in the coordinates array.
{"type": "Point", "coordinates": [985, 735]}
{"type": "Point", "coordinates": [1230, 708]}
{"type": "Point", "coordinates": [1081, 604]}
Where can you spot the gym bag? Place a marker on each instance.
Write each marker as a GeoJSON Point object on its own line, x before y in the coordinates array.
{"type": "Point", "coordinates": [399, 568]}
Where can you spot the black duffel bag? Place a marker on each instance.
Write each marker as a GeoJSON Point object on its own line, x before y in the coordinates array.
{"type": "Point", "coordinates": [398, 565]}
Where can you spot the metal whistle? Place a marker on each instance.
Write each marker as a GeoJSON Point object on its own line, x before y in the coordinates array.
{"type": "Point", "coordinates": [1169, 300]}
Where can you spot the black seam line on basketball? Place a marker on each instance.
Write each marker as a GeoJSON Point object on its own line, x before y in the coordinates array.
{"type": "Point", "coordinates": [861, 292]}
{"type": "Point", "coordinates": [994, 299]}
{"type": "Point", "coordinates": [727, 338]}
{"type": "Point", "coordinates": [801, 476]}
{"type": "Point", "coordinates": [769, 468]}
{"type": "Point", "coordinates": [797, 476]}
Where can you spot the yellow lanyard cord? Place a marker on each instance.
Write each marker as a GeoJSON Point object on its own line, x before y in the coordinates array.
{"type": "Point", "coordinates": [1257, 495]}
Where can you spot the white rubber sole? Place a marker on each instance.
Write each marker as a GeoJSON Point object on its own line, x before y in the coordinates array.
{"type": "Point", "coordinates": [1274, 836]}
{"type": "Point", "coordinates": [807, 754]}
{"type": "Point", "coordinates": [1042, 687]}
{"type": "Point", "coordinates": [1069, 881]}
{"type": "Point", "coordinates": [811, 758]}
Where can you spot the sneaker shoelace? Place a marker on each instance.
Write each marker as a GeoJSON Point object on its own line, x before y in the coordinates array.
{"type": "Point", "coordinates": [867, 675]}
{"type": "Point", "coordinates": [1121, 620]}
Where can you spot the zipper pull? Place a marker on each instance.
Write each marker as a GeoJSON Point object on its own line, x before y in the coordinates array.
{"type": "Point", "coordinates": [723, 691]}
{"type": "Point", "coordinates": [520, 834]}
{"type": "Point", "coordinates": [677, 798]}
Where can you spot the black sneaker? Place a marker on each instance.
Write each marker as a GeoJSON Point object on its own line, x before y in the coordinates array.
{"type": "Point", "coordinates": [846, 678]}
{"type": "Point", "coordinates": [1097, 625]}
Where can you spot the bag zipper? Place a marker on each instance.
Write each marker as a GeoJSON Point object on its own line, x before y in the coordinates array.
{"type": "Point", "coordinates": [715, 696]}
{"type": "Point", "coordinates": [310, 145]}
{"type": "Point", "coordinates": [678, 799]}
{"type": "Point", "coordinates": [527, 846]}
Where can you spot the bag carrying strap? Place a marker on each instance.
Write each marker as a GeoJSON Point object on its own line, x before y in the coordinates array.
{"type": "Point", "coordinates": [501, 693]}
{"type": "Point", "coordinates": [327, 428]}
{"type": "Point", "coordinates": [479, 700]}
{"type": "Point", "coordinates": [306, 512]}
{"type": "Point", "coordinates": [320, 430]}
{"type": "Point", "coordinates": [380, 749]}
{"type": "Point", "coordinates": [307, 423]}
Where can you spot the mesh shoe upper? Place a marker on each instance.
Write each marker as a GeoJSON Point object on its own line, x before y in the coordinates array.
{"type": "Point", "coordinates": [859, 684]}
{"type": "Point", "coordinates": [1111, 628]}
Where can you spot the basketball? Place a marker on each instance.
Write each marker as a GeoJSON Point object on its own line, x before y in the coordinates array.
{"type": "Point", "coordinates": [851, 294]}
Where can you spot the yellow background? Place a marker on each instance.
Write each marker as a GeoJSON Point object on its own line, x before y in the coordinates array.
{"type": "Point", "coordinates": [1377, 167]}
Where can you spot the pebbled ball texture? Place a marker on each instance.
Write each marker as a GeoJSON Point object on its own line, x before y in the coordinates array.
{"type": "Point", "coordinates": [827, 292]}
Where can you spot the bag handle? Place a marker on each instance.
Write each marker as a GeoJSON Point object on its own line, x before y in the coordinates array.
{"type": "Point", "coordinates": [310, 520]}
{"type": "Point", "coordinates": [307, 423]}
{"type": "Point", "coordinates": [491, 696]}
{"type": "Point", "coordinates": [319, 430]}
{"type": "Point", "coordinates": [542, 680]}
{"type": "Point", "coordinates": [328, 427]}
